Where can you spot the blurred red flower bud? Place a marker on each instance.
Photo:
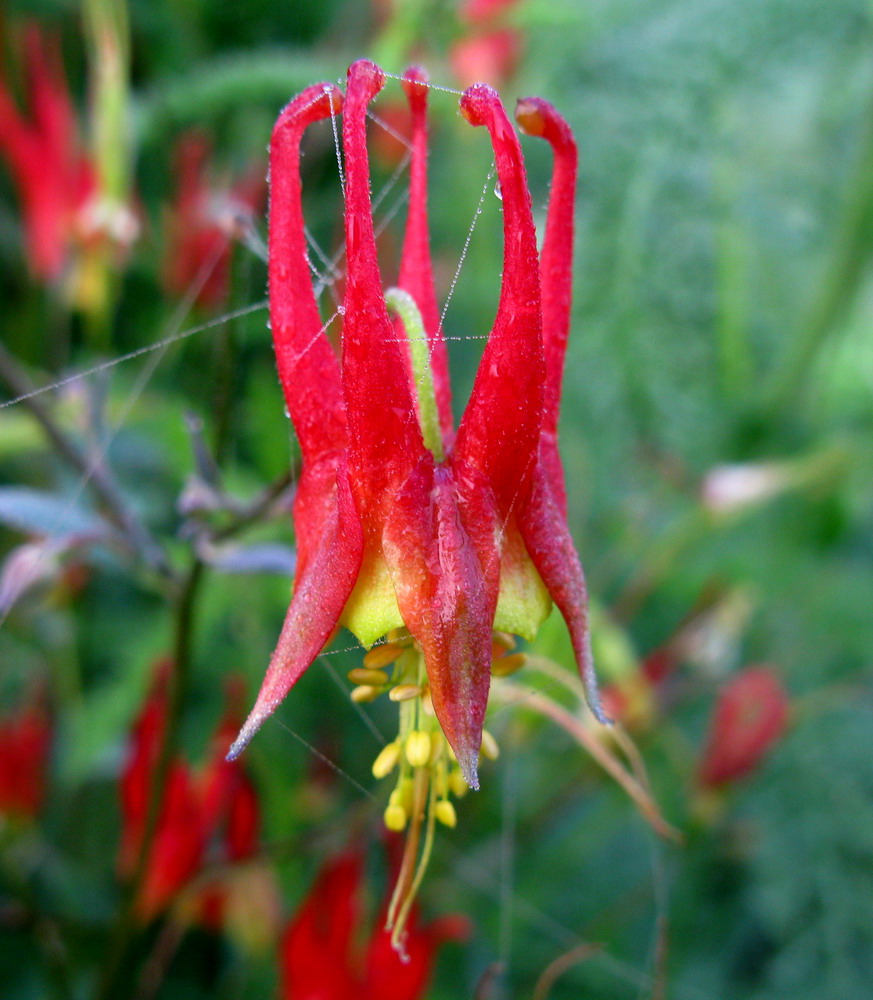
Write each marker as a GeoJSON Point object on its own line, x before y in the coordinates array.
{"type": "Point", "coordinates": [751, 714]}
{"type": "Point", "coordinates": [25, 740]}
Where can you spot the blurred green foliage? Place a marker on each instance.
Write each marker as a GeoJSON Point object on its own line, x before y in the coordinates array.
{"type": "Point", "coordinates": [723, 314]}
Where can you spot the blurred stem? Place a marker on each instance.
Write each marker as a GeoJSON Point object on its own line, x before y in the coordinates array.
{"type": "Point", "coordinates": [44, 929]}
{"type": "Point", "coordinates": [95, 474]}
{"type": "Point", "coordinates": [223, 398]}
{"type": "Point", "coordinates": [630, 321]}
{"type": "Point", "coordinates": [201, 95]}
{"type": "Point", "coordinates": [843, 275]}
{"type": "Point", "coordinates": [735, 362]}
{"type": "Point", "coordinates": [127, 923]}
{"type": "Point", "coordinates": [406, 26]}
{"type": "Point", "coordinates": [662, 557]}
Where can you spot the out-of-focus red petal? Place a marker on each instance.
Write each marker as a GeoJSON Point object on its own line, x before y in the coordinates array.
{"type": "Point", "coordinates": [482, 11]}
{"type": "Point", "coordinates": [50, 103]}
{"type": "Point", "coordinates": [179, 844]}
{"type": "Point", "coordinates": [537, 117]}
{"type": "Point", "coordinates": [316, 949]}
{"type": "Point", "coordinates": [320, 593]}
{"type": "Point", "coordinates": [25, 740]}
{"type": "Point", "coordinates": [750, 716]}
{"type": "Point", "coordinates": [308, 367]}
{"type": "Point", "coordinates": [544, 529]}
{"type": "Point", "coordinates": [416, 269]}
{"type": "Point", "coordinates": [500, 430]}
{"type": "Point", "coordinates": [491, 57]}
{"type": "Point", "coordinates": [385, 441]}
{"type": "Point", "coordinates": [142, 759]}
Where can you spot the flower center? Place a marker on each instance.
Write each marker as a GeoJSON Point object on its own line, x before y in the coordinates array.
{"type": "Point", "coordinates": [428, 773]}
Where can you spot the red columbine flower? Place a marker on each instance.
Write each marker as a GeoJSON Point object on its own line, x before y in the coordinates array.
{"type": "Point", "coordinates": [201, 223]}
{"type": "Point", "coordinates": [25, 740]}
{"type": "Point", "coordinates": [400, 521]}
{"type": "Point", "coordinates": [320, 957]}
{"type": "Point", "coordinates": [219, 803]}
{"type": "Point", "coordinates": [751, 714]}
{"type": "Point", "coordinates": [55, 178]}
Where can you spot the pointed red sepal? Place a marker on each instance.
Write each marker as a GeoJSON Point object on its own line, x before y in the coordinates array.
{"type": "Point", "coordinates": [536, 116]}
{"type": "Point", "coordinates": [547, 538]}
{"type": "Point", "coordinates": [446, 599]}
{"type": "Point", "coordinates": [385, 440]}
{"type": "Point", "coordinates": [308, 367]}
{"type": "Point", "coordinates": [321, 590]}
{"type": "Point", "coordinates": [500, 429]}
{"type": "Point", "coordinates": [416, 268]}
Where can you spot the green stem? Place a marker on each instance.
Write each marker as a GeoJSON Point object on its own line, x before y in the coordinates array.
{"type": "Point", "coordinates": [842, 278]}
{"type": "Point", "coordinates": [127, 922]}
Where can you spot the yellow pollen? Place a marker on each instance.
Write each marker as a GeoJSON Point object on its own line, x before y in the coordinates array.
{"type": "Point", "coordinates": [501, 642]}
{"type": "Point", "coordinates": [457, 785]}
{"type": "Point", "coordinates": [418, 748]}
{"type": "Point", "coordinates": [445, 813]}
{"type": "Point", "coordinates": [405, 692]}
{"type": "Point", "coordinates": [506, 665]}
{"type": "Point", "coordinates": [382, 656]}
{"type": "Point", "coordinates": [395, 818]}
{"type": "Point", "coordinates": [490, 749]}
{"type": "Point", "coordinates": [387, 760]}
{"type": "Point", "coordinates": [364, 693]}
{"type": "Point", "coordinates": [361, 675]}
{"type": "Point", "coordinates": [437, 742]}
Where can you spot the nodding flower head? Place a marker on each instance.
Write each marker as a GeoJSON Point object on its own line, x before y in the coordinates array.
{"type": "Point", "coordinates": [406, 526]}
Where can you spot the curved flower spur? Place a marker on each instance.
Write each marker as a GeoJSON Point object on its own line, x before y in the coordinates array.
{"type": "Point", "coordinates": [445, 544]}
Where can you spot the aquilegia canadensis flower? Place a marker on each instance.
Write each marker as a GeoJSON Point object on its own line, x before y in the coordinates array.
{"type": "Point", "coordinates": [442, 541]}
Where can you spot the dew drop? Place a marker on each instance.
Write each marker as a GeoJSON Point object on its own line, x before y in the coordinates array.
{"type": "Point", "coordinates": [498, 193]}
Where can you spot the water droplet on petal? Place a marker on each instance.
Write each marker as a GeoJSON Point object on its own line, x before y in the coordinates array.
{"type": "Point", "coordinates": [497, 191]}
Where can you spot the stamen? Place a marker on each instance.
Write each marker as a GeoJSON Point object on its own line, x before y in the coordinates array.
{"type": "Point", "coordinates": [429, 773]}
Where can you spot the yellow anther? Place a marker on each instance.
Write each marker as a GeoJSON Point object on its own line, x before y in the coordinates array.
{"type": "Point", "coordinates": [427, 703]}
{"type": "Point", "coordinates": [365, 692]}
{"type": "Point", "coordinates": [490, 749]}
{"type": "Point", "coordinates": [387, 760]}
{"type": "Point", "coordinates": [506, 665]}
{"type": "Point", "coordinates": [458, 786]}
{"type": "Point", "coordinates": [395, 815]}
{"type": "Point", "coordinates": [361, 675]}
{"type": "Point", "coordinates": [501, 642]}
{"type": "Point", "coordinates": [437, 742]}
{"type": "Point", "coordinates": [405, 792]}
{"type": "Point", "coordinates": [418, 748]}
{"type": "Point", "coordinates": [404, 692]}
{"type": "Point", "coordinates": [445, 813]}
{"type": "Point", "coordinates": [382, 656]}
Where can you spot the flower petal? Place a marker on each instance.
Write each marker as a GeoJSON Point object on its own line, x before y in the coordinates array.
{"type": "Point", "coordinates": [500, 430]}
{"type": "Point", "coordinates": [446, 578]}
{"type": "Point", "coordinates": [385, 441]}
{"type": "Point", "coordinates": [321, 590]}
{"type": "Point", "coordinates": [545, 533]}
{"type": "Point", "coordinates": [416, 269]}
{"type": "Point", "coordinates": [308, 366]}
{"type": "Point", "coordinates": [537, 117]}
